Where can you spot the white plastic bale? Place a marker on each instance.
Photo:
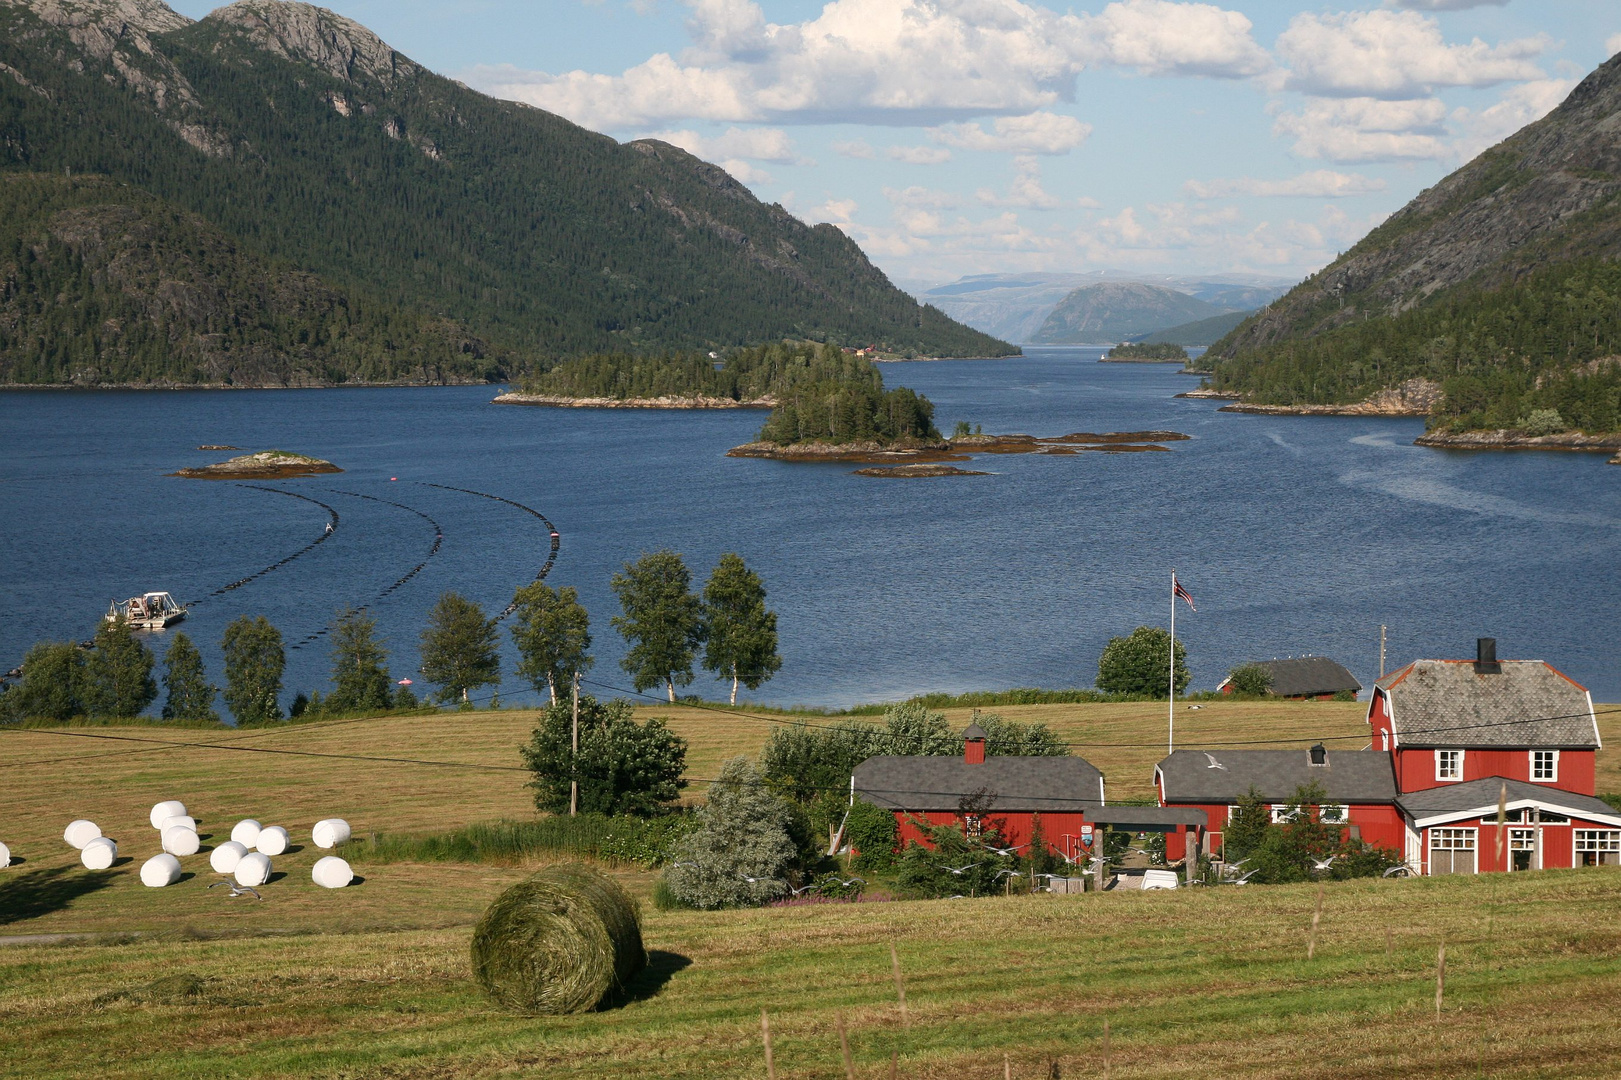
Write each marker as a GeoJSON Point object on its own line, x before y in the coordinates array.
{"type": "Point", "coordinates": [225, 857]}
{"type": "Point", "coordinates": [179, 840]}
{"type": "Point", "coordinates": [160, 870]}
{"type": "Point", "coordinates": [254, 869]}
{"type": "Point", "coordinates": [246, 832]}
{"type": "Point", "coordinates": [80, 832]}
{"type": "Point", "coordinates": [272, 840]}
{"type": "Point", "coordinates": [165, 810]}
{"type": "Point", "coordinates": [330, 832]}
{"type": "Point", "coordinates": [98, 854]}
{"type": "Point", "coordinates": [5, 856]}
{"type": "Point", "coordinates": [181, 819]}
{"type": "Point", "coordinates": [331, 872]}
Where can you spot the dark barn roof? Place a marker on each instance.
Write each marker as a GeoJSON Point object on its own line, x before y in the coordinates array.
{"type": "Point", "coordinates": [1445, 703]}
{"type": "Point", "coordinates": [1350, 776]}
{"type": "Point", "coordinates": [1307, 676]}
{"type": "Point", "coordinates": [919, 783]}
{"type": "Point", "coordinates": [1483, 794]}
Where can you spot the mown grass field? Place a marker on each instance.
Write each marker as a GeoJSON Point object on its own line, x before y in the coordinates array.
{"type": "Point", "coordinates": [373, 981]}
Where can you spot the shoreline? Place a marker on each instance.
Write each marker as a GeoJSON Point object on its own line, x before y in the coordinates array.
{"type": "Point", "coordinates": [181, 387]}
{"type": "Point", "coordinates": [962, 448]}
{"type": "Point", "coordinates": [557, 401]}
{"type": "Point", "coordinates": [1508, 439]}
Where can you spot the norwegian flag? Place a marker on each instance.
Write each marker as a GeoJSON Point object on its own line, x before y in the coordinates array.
{"type": "Point", "coordinates": [1179, 593]}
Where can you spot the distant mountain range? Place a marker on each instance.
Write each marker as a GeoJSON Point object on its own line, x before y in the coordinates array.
{"type": "Point", "coordinates": [1494, 297]}
{"type": "Point", "coordinates": [1017, 307]}
{"type": "Point", "coordinates": [272, 196]}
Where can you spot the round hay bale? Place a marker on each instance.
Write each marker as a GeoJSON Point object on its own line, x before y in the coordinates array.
{"type": "Point", "coordinates": [225, 857]}
{"type": "Point", "coordinates": [80, 832]}
{"type": "Point", "coordinates": [558, 942]}
{"type": "Point", "coordinates": [330, 833]}
{"type": "Point", "coordinates": [253, 869]}
{"type": "Point", "coordinates": [98, 854]}
{"type": "Point", "coordinates": [331, 872]}
{"type": "Point", "coordinates": [5, 856]}
{"type": "Point", "coordinates": [179, 840]}
{"type": "Point", "coordinates": [272, 840]}
{"type": "Point", "coordinates": [165, 810]}
{"type": "Point", "coordinates": [160, 870]}
{"type": "Point", "coordinates": [246, 833]}
{"type": "Point", "coordinates": [185, 820]}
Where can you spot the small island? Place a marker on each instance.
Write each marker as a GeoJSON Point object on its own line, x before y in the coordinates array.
{"type": "Point", "coordinates": [918, 452]}
{"type": "Point", "coordinates": [1137, 352]}
{"type": "Point", "coordinates": [265, 465]}
{"type": "Point", "coordinates": [919, 470]}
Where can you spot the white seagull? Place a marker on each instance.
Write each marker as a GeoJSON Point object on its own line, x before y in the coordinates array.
{"type": "Point", "coordinates": [1214, 764]}
{"type": "Point", "coordinates": [958, 870]}
{"type": "Point", "coordinates": [239, 890]}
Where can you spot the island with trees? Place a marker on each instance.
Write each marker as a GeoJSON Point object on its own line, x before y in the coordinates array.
{"type": "Point", "coordinates": [1138, 352]}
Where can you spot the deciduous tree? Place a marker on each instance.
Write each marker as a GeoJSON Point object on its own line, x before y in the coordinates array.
{"type": "Point", "coordinates": [254, 661]}
{"type": "Point", "coordinates": [190, 696]}
{"type": "Point", "coordinates": [118, 672]}
{"type": "Point", "coordinates": [1139, 664]}
{"type": "Point", "coordinates": [740, 854]}
{"type": "Point", "coordinates": [741, 642]}
{"type": "Point", "coordinates": [458, 648]}
{"type": "Point", "coordinates": [553, 634]}
{"type": "Point", "coordinates": [663, 621]}
{"type": "Point", "coordinates": [623, 767]}
{"type": "Point", "coordinates": [360, 681]}
{"type": "Point", "coordinates": [52, 686]}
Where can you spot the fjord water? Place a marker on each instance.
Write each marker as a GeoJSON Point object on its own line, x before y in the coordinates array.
{"type": "Point", "coordinates": [1295, 535]}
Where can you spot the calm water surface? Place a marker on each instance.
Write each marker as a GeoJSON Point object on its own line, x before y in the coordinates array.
{"type": "Point", "coordinates": [1295, 535]}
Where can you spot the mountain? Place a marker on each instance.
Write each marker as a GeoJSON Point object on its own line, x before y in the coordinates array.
{"type": "Point", "coordinates": [1110, 312]}
{"type": "Point", "coordinates": [1200, 332]}
{"type": "Point", "coordinates": [308, 143]}
{"type": "Point", "coordinates": [1499, 285]}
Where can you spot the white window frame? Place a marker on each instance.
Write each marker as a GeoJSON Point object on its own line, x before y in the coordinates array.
{"type": "Point", "coordinates": [1552, 757]}
{"type": "Point", "coordinates": [1447, 839]}
{"type": "Point", "coordinates": [1596, 840]}
{"type": "Point", "coordinates": [1453, 756]}
{"type": "Point", "coordinates": [1342, 811]}
{"type": "Point", "coordinates": [1281, 815]}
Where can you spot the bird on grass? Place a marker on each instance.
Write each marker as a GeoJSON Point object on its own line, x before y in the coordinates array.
{"type": "Point", "coordinates": [239, 890]}
{"type": "Point", "coordinates": [960, 870]}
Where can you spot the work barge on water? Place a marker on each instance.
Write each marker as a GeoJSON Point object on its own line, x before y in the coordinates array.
{"type": "Point", "coordinates": [149, 611]}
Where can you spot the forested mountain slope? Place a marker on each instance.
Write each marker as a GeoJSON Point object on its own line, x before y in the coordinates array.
{"type": "Point", "coordinates": [1111, 311]}
{"type": "Point", "coordinates": [1500, 283]}
{"type": "Point", "coordinates": [302, 137]}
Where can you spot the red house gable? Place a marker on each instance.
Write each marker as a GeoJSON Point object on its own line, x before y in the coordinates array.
{"type": "Point", "coordinates": [1457, 721]}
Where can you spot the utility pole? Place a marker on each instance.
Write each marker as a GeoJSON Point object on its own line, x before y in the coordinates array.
{"type": "Point", "coordinates": [1170, 698]}
{"type": "Point", "coordinates": [574, 764]}
{"type": "Point", "coordinates": [1381, 650]}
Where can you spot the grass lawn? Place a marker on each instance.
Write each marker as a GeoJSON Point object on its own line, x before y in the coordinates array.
{"type": "Point", "coordinates": [372, 981]}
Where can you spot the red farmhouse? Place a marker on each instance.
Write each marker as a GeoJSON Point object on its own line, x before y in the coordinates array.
{"type": "Point", "coordinates": [1449, 736]}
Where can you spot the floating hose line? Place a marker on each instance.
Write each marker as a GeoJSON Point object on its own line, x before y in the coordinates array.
{"type": "Point", "coordinates": [551, 556]}
{"type": "Point", "coordinates": [438, 540]}
{"type": "Point", "coordinates": [332, 527]}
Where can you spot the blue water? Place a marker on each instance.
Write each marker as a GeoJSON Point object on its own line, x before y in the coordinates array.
{"type": "Point", "coordinates": [1294, 535]}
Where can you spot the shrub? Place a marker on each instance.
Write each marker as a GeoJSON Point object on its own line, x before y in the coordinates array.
{"type": "Point", "coordinates": [1249, 680]}
{"type": "Point", "coordinates": [1543, 422]}
{"type": "Point", "coordinates": [873, 832]}
{"type": "Point", "coordinates": [740, 853]}
{"type": "Point", "coordinates": [1137, 664]}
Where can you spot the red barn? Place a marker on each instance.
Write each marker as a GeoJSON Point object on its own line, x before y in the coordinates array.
{"type": "Point", "coordinates": [1008, 792]}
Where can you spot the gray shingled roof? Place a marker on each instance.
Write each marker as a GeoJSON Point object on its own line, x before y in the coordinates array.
{"type": "Point", "coordinates": [1484, 793]}
{"type": "Point", "coordinates": [921, 783]}
{"type": "Point", "coordinates": [1443, 703]}
{"type": "Point", "coordinates": [1351, 776]}
{"type": "Point", "coordinates": [1307, 676]}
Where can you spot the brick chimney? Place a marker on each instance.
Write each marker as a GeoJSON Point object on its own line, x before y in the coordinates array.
{"type": "Point", "coordinates": [1486, 657]}
{"type": "Point", "coordinates": [973, 745]}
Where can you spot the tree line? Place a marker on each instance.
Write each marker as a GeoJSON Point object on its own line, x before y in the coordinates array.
{"type": "Point", "coordinates": [727, 629]}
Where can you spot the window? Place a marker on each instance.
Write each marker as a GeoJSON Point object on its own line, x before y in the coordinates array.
{"type": "Point", "coordinates": [1384, 740]}
{"type": "Point", "coordinates": [1598, 847]}
{"type": "Point", "coordinates": [1452, 851]}
{"type": "Point", "coordinates": [1545, 817]}
{"type": "Point", "coordinates": [1333, 815]}
{"type": "Point", "coordinates": [1449, 764]}
{"type": "Point", "coordinates": [1452, 839]}
{"type": "Point", "coordinates": [1283, 813]}
{"type": "Point", "coordinates": [1545, 765]}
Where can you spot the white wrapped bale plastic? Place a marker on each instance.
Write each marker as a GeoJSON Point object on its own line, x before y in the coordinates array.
{"type": "Point", "coordinates": [165, 810]}
{"type": "Point", "coordinates": [98, 854]}
{"type": "Point", "coordinates": [272, 840]}
{"type": "Point", "coordinates": [330, 832]}
{"type": "Point", "coordinates": [160, 870]}
{"type": "Point", "coordinates": [5, 856]}
{"type": "Point", "coordinates": [254, 869]}
{"type": "Point", "coordinates": [179, 840]}
{"type": "Point", "coordinates": [246, 833]}
{"type": "Point", "coordinates": [225, 857]}
{"type": "Point", "coordinates": [81, 832]}
{"type": "Point", "coordinates": [332, 872]}
{"type": "Point", "coordinates": [183, 820]}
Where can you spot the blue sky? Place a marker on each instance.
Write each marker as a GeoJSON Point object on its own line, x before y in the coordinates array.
{"type": "Point", "coordinates": [953, 137]}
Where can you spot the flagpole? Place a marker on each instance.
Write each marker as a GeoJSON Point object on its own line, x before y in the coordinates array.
{"type": "Point", "coordinates": [1170, 738]}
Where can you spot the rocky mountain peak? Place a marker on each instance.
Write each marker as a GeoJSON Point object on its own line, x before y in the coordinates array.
{"type": "Point", "coordinates": [106, 18]}
{"type": "Point", "coordinates": [316, 36]}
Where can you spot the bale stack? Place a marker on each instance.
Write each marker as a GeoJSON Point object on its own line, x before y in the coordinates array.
{"type": "Point", "coordinates": [558, 942]}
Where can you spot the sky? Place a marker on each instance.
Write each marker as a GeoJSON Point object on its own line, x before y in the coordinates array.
{"type": "Point", "coordinates": [957, 137]}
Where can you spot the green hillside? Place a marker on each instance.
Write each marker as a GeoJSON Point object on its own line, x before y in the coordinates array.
{"type": "Point", "coordinates": [1199, 332]}
{"type": "Point", "coordinates": [305, 139]}
{"type": "Point", "coordinates": [1500, 284]}
{"type": "Point", "coordinates": [1119, 311]}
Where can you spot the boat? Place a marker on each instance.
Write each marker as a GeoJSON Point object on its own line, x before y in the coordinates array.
{"type": "Point", "coordinates": [151, 611]}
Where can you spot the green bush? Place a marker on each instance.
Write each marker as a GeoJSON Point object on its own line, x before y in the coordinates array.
{"type": "Point", "coordinates": [1249, 680]}
{"type": "Point", "coordinates": [1542, 422]}
{"type": "Point", "coordinates": [873, 832]}
{"type": "Point", "coordinates": [1139, 664]}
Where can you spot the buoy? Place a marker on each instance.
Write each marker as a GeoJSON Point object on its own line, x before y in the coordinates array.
{"type": "Point", "coordinates": [272, 840]}
{"type": "Point", "coordinates": [98, 854]}
{"type": "Point", "coordinates": [225, 857]}
{"type": "Point", "coordinates": [80, 832]}
{"type": "Point", "coordinates": [160, 870]}
{"type": "Point", "coordinates": [246, 832]}
{"type": "Point", "coordinates": [179, 840]}
{"type": "Point", "coordinates": [331, 872]}
{"type": "Point", "coordinates": [165, 810]}
{"type": "Point", "coordinates": [253, 870]}
{"type": "Point", "coordinates": [5, 856]}
{"type": "Point", "coordinates": [330, 833]}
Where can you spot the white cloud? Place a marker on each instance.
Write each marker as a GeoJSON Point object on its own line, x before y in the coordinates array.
{"type": "Point", "coordinates": [837, 211]}
{"type": "Point", "coordinates": [1025, 191]}
{"type": "Point", "coordinates": [746, 173]}
{"type": "Point", "coordinates": [888, 61]}
{"type": "Point", "coordinates": [919, 155]}
{"type": "Point", "coordinates": [1612, 44]}
{"type": "Point", "coordinates": [1318, 184]}
{"type": "Point", "coordinates": [760, 144]}
{"type": "Point", "coordinates": [856, 148]}
{"type": "Point", "coordinates": [1367, 129]}
{"type": "Point", "coordinates": [1522, 105]}
{"type": "Point", "coordinates": [1444, 5]}
{"type": "Point", "coordinates": [1037, 133]}
{"type": "Point", "coordinates": [1394, 55]}
{"type": "Point", "coordinates": [921, 197]}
